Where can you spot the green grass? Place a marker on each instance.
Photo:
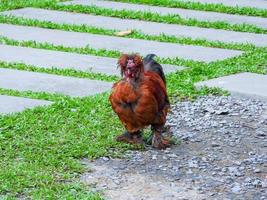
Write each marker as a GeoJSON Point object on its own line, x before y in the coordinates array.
{"type": "Point", "coordinates": [41, 148]}
{"type": "Point", "coordinates": [63, 72]}
{"type": "Point", "coordinates": [150, 16]}
{"type": "Point", "coordinates": [202, 6]}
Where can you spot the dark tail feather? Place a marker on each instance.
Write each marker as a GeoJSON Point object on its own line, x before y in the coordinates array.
{"type": "Point", "coordinates": [148, 58]}
{"type": "Point", "coordinates": [151, 65]}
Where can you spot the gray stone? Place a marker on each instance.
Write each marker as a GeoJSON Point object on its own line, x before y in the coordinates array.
{"type": "Point", "coordinates": [260, 133]}
{"type": "Point", "coordinates": [184, 13]}
{"type": "Point", "coordinates": [256, 183]}
{"type": "Point", "coordinates": [64, 60]}
{"type": "Point", "coordinates": [234, 171]}
{"type": "Point", "coordinates": [192, 164]}
{"type": "Point", "coordinates": [151, 28]}
{"type": "Point", "coordinates": [215, 144]}
{"type": "Point", "coordinates": [9, 104]}
{"type": "Point", "coordinates": [236, 188]}
{"type": "Point", "coordinates": [105, 158]}
{"type": "Point", "coordinates": [40, 82]}
{"type": "Point", "coordinates": [126, 45]}
{"type": "Point", "coordinates": [243, 84]}
{"type": "Point", "coordinates": [257, 170]}
{"type": "Point", "coordinates": [261, 4]}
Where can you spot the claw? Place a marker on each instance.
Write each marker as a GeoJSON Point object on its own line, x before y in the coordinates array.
{"type": "Point", "coordinates": [159, 142]}
{"type": "Point", "coordinates": [131, 138]}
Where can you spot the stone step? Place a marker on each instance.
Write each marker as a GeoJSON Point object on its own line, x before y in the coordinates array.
{"type": "Point", "coordinates": [9, 104]}
{"type": "Point", "coordinates": [64, 60]}
{"type": "Point", "coordinates": [125, 45]}
{"type": "Point", "coordinates": [243, 84]}
{"type": "Point", "coordinates": [184, 13]}
{"type": "Point", "coordinates": [151, 28]}
{"type": "Point", "coordinates": [41, 82]}
{"type": "Point", "coordinates": [261, 4]}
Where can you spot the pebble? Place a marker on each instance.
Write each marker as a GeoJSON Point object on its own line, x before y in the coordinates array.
{"type": "Point", "coordinates": [105, 158]}
{"type": "Point", "coordinates": [192, 164]}
{"type": "Point", "coordinates": [214, 144]}
{"type": "Point", "coordinates": [261, 134]}
{"type": "Point", "coordinates": [256, 183]}
{"type": "Point", "coordinates": [236, 188]}
{"type": "Point", "coordinates": [264, 184]}
{"type": "Point", "coordinates": [257, 170]}
{"type": "Point", "coordinates": [218, 152]}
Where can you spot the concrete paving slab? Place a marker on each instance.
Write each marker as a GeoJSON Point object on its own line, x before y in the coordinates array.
{"type": "Point", "coordinates": [64, 60]}
{"type": "Point", "coordinates": [261, 4]}
{"type": "Point", "coordinates": [10, 104]}
{"type": "Point", "coordinates": [125, 45]}
{"type": "Point", "coordinates": [243, 84]}
{"type": "Point", "coordinates": [150, 28]}
{"type": "Point", "coordinates": [41, 82]}
{"type": "Point", "coordinates": [184, 13]}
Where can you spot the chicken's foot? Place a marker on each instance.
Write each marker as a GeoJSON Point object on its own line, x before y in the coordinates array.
{"type": "Point", "coordinates": [158, 141]}
{"type": "Point", "coordinates": [132, 138]}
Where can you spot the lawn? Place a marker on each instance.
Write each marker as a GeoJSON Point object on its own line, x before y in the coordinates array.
{"type": "Point", "coordinates": [41, 149]}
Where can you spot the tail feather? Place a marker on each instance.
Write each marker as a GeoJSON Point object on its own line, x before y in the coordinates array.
{"type": "Point", "coordinates": [151, 65]}
{"type": "Point", "coordinates": [149, 57]}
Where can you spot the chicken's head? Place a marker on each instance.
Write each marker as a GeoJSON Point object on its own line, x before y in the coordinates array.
{"type": "Point", "coordinates": [131, 66]}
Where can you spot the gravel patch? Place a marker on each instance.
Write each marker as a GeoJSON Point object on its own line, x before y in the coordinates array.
{"type": "Point", "coordinates": [223, 155]}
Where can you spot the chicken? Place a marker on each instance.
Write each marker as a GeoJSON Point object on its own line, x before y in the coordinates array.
{"type": "Point", "coordinates": [140, 99]}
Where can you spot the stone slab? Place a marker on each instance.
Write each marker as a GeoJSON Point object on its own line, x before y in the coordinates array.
{"type": "Point", "coordinates": [184, 13]}
{"type": "Point", "coordinates": [150, 28]}
{"type": "Point", "coordinates": [41, 82]}
{"type": "Point", "coordinates": [125, 45]}
{"type": "Point", "coordinates": [261, 4]}
{"type": "Point", "coordinates": [10, 104]}
{"type": "Point", "coordinates": [64, 60]}
{"type": "Point", "coordinates": [243, 84]}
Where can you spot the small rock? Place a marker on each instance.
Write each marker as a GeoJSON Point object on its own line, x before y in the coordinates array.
{"type": "Point", "coordinates": [117, 182]}
{"type": "Point", "coordinates": [257, 183]}
{"type": "Point", "coordinates": [214, 144]}
{"type": "Point", "coordinates": [192, 164]}
{"type": "Point", "coordinates": [204, 159]}
{"type": "Point", "coordinates": [248, 180]}
{"type": "Point", "coordinates": [234, 171]}
{"type": "Point", "coordinates": [105, 158]}
{"type": "Point", "coordinates": [222, 112]}
{"type": "Point", "coordinates": [238, 163]}
{"type": "Point", "coordinates": [261, 134]}
{"type": "Point", "coordinates": [257, 170]}
{"type": "Point", "coordinates": [236, 188]}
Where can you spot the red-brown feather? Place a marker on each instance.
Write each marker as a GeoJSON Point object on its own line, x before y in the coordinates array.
{"type": "Point", "coordinates": [148, 97]}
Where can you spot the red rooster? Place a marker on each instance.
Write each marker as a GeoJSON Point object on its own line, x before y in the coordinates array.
{"type": "Point", "coordinates": [140, 99]}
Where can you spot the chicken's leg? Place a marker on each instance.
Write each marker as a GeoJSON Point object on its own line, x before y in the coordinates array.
{"type": "Point", "coordinates": [158, 141]}
{"type": "Point", "coordinates": [132, 138]}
